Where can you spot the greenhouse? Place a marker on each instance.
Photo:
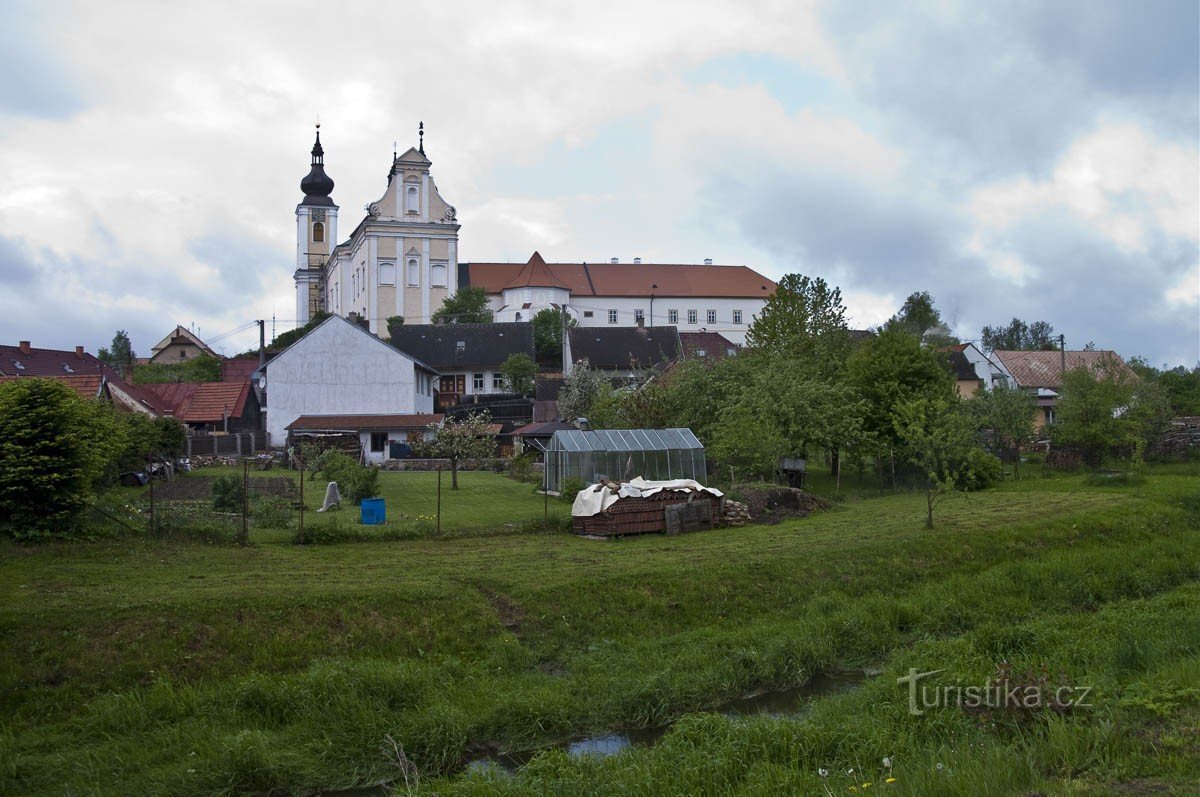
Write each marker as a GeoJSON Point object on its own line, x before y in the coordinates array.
{"type": "Point", "coordinates": [622, 454]}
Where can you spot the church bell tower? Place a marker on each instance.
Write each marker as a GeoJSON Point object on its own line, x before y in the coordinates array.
{"type": "Point", "coordinates": [316, 235]}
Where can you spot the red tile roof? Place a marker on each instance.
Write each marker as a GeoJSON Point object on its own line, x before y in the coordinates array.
{"type": "Point", "coordinates": [201, 402]}
{"type": "Point", "coordinates": [714, 345]}
{"type": "Point", "coordinates": [586, 279]}
{"type": "Point", "coordinates": [362, 423]}
{"type": "Point", "coordinates": [238, 369]}
{"type": "Point", "coordinates": [1044, 368]}
{"type": "Point", "coordinates": [537, 274]}
{"type": "Point", "coordinates": [28, 361]}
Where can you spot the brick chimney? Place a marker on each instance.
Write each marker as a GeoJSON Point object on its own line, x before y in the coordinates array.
{"type": "Point", "coordinates": [79, 352]}
{"type": "Point", "coordinates": [24, 347]}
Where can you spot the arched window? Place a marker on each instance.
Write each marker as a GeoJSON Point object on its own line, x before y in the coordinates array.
{"type": "Point", "coordinates": [318, 232]}
{"type": "Point", "coordinates": [414, 272]}
{"type": "Point", "coordinates": [412, 202]}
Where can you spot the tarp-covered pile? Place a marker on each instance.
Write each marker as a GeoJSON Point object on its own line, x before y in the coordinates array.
{"type": "Point", "coordinates": [641, 506]}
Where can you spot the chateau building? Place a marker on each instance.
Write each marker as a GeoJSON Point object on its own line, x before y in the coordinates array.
{"type": "Point", "coordinates": [401, 260]}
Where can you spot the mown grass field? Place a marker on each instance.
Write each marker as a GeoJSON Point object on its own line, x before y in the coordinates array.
{"type": "Point", "coordinates": [135, 666]}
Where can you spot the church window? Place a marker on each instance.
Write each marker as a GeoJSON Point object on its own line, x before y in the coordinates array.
{"type": "Point", "coordinates": [414, 271]}
{"type": "Point", "coordinates": [691, 316]}
{"type": "Point", "coordinates": [412, 200]}
{"type": "Point", "coordinates": [711, 315]}
{"type": "Point", "coordinates": [612, 316]}
{"type": "Point", "coordinates": [387, 273]}
{"type": "Point", "coordinates": [672, 316]}
{"type": "Point", "coordinates": [437, 275]}
{"type": "Point", "coordinates": [737, 316]}
{"type": "Point", "coordinates": [318, 233]}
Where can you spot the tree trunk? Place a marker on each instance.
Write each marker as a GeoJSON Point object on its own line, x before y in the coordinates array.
{"type": "Point", "coordinates": [454, 473]}
{"type": "Point", "coordinates": [1017, 462]}
{"type": "Point", "coordinates": [929, 508]}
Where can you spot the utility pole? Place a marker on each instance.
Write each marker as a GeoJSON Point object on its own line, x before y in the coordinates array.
{"type": "Point", "coordinates": [262, 342]}
{"type": "Point", "coordinates": [1062, 348]}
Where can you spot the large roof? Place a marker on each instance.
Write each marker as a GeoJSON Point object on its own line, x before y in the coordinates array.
{"type": "Point", "coordinates": [712, 345]}
{"type": "Point", "coordinates": [201, 402]}
{"type": "Point", "coordinates": [624, 348]}
{"type": "Point", "coordinates": [24, 360]}
{"type": "Point", "coordinates": [615, 279]}
{"type": "Point", "coordinates": [362, 423]}
{"type": "Point", "coordinates": [536, 274]}
{"type": "Point", "coordinates": [182, 334]}
{"type": "Point", "coordinates": [1044, 368]}
{"type": "Point", "coordinates": [451, 347]}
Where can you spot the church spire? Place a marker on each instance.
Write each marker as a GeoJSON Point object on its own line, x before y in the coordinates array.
{"type": "Point", "coordinates": [421, 133]}
{"type": "Point", "coordinates": [316, 185]}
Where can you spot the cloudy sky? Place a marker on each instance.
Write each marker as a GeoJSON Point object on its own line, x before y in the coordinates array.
{"type": "Point", "coordinates": [1034, 159]}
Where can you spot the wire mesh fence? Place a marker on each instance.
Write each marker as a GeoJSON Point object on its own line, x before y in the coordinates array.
{"type": "Point", "coordinates": [239, 504]}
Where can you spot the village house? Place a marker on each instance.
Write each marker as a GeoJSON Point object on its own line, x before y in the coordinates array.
{"type": "Point", "coordinates": [625, 352]}
{"type": "Point", "coordinates": [374, 438]}
{"type": "Point", "coordinates": [468, 357]}
{"type": "Point", "coordinates": [1040, 373]}
{"type": "Point", "coordinates": [975, 371]}
{"type": "Point", "coordinates": [339, 368]}
{"type": "Point", "coordinates": [181, 344]}
{"type": "Point", "coordinates": [209, 406]}
{"type": "Point", "coordinates": [82, 372]}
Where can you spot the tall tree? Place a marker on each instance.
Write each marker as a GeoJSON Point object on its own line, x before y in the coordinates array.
{"type": "Point", "coordinates": [919, 316]}
{"type": "Point", "coordinates": [548, 334]}
{"type": "Point", "coordinates": [1106, 410]}
{"type": "Point", "coordinates": [1019, 336]}
{"type": "Point", "coordinates": [119, 355]}
{"type": "Point", "coordinates": [891, 369]}
{"type": "Point", "coordinates": [469, 437]}
{"type": "Point", "coordinates": [468, 306]}
{"type": "Point", "coordinates": [805, 318]}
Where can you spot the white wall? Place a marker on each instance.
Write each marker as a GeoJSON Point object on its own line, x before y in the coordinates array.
{"type": "Point", "coordinates": [599, 306]}
{"type": "Point", "coordinates": [338, 369]}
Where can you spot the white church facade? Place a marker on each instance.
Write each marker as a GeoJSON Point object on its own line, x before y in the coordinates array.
{"type": "Point", "coordinates": [402, 260]}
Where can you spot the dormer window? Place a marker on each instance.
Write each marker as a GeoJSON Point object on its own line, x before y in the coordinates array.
{"type": "Point", "coordinates": [68, 369]}
{"type": "Point", "coordinates": [412, 200]}
{"type": "Point", "coordinates": [318, 233]}
{"type": "Point", "coordinates": [17, 364]}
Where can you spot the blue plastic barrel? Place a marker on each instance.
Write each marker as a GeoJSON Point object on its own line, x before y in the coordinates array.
{"type": "Point", "coordinates": [373, 512]}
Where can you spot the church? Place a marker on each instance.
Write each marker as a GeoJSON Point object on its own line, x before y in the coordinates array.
{"type": "Point", "coordinates": [402, 260]}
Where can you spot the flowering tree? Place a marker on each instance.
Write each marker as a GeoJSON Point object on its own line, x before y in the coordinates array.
{"type": "Point", "coordinates": [457, 439]}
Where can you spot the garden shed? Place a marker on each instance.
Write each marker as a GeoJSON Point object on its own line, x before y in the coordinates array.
{"type": "Point", "coordinates": [621, 454]}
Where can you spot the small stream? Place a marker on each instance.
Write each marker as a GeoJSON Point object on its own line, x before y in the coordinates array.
{"type": "Point", "coordinates": [791, 702]}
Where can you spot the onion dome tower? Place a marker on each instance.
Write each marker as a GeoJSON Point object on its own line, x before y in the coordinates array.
{"type": "Point", "coordinates": [316, 234]}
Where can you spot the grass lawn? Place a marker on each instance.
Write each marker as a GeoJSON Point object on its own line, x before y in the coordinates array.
{"type": "Point", "coordinates": [136, 666]}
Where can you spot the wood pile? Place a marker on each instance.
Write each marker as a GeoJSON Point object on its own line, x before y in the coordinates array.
{"type": "Point", "coordinates": [736, 513]}
{"type": "Point", "coordinates": [1181, 435]}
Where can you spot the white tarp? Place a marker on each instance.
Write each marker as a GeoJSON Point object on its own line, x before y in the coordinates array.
{"type": "Point", "coordinates": [595, 499]}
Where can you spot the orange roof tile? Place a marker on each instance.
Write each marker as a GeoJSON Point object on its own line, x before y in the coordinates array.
{"type": "Point", "coordinates": [1044, 368]}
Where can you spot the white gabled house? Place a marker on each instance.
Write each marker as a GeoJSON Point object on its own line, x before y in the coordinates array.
{"type": "Point", "coordinates": [339, 368]}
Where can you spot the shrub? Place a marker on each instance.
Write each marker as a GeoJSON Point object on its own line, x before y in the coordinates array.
{"type": "Point", "coordinates": [983, 469]}
{"type": "Point", "coordinates": [56, 447]}
{"type": "Point", "coordinates": [228, 493]}
{"type": "Point", "coordinates": [272, 512]}
{"type": "Point", "coordinates": [355, 482]}
{"type": "Point", "coordinates": [570, 488]}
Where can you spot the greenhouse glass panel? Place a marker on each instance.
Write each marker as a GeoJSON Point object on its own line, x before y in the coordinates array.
{"type": "Point", "coordinates": [622, 454]}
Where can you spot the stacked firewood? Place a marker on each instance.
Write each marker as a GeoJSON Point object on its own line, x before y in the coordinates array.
{"type": "Point", "coordinates": [736, 513]}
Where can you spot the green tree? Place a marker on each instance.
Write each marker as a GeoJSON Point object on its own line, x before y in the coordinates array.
{"type": "Point", "coordinates": [740, 440]}
{"type": "Point", "coordinates": [1180, 387]}
{"type": "Point", "coordinates": [1107, 410]}
{"type": "Point", "coordinates": [519, 371]}
{"type": "Point", "coordinates": [55, 449]}
{"type": "Point", "coordinates": [1005, 415]}
{"type": "Point", "coordinates": [937, 437]}
{"type": "Point", "coordinates": [1019, 336]}
{"type": "Point", "coordinates": [892, 369]}
{"type": "Point", "coordinates": [120, 354]}
{"type": "Point", "coordinates": [467, 306]}
{"type": "Point", "coordinates": [919, 317]}
{"type": "Point", "coordinates": [285, 339]}
{"type": "Point", "coordinates": [804, 317]}
{"type": "Point", "coordinates": [548, 333]}
{"type": "Point", "coordinates": [469, 437]}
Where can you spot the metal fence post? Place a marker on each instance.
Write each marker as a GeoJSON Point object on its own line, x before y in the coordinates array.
{"type": "Point", "coordinates": [300, 527]}
{"type": "Point", "coordinates": [439, 500]}
{"type": "Point", "coordinates": [245, 538]}
{"type": "Point", "coordinates": [151, 475]}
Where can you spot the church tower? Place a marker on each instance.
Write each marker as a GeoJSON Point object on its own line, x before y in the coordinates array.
{"type": "Point", "coordinates": [316, 234]}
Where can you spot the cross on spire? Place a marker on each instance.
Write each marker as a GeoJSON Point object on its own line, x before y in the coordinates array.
{"type": "Point", "coordinates": [421, 133]}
